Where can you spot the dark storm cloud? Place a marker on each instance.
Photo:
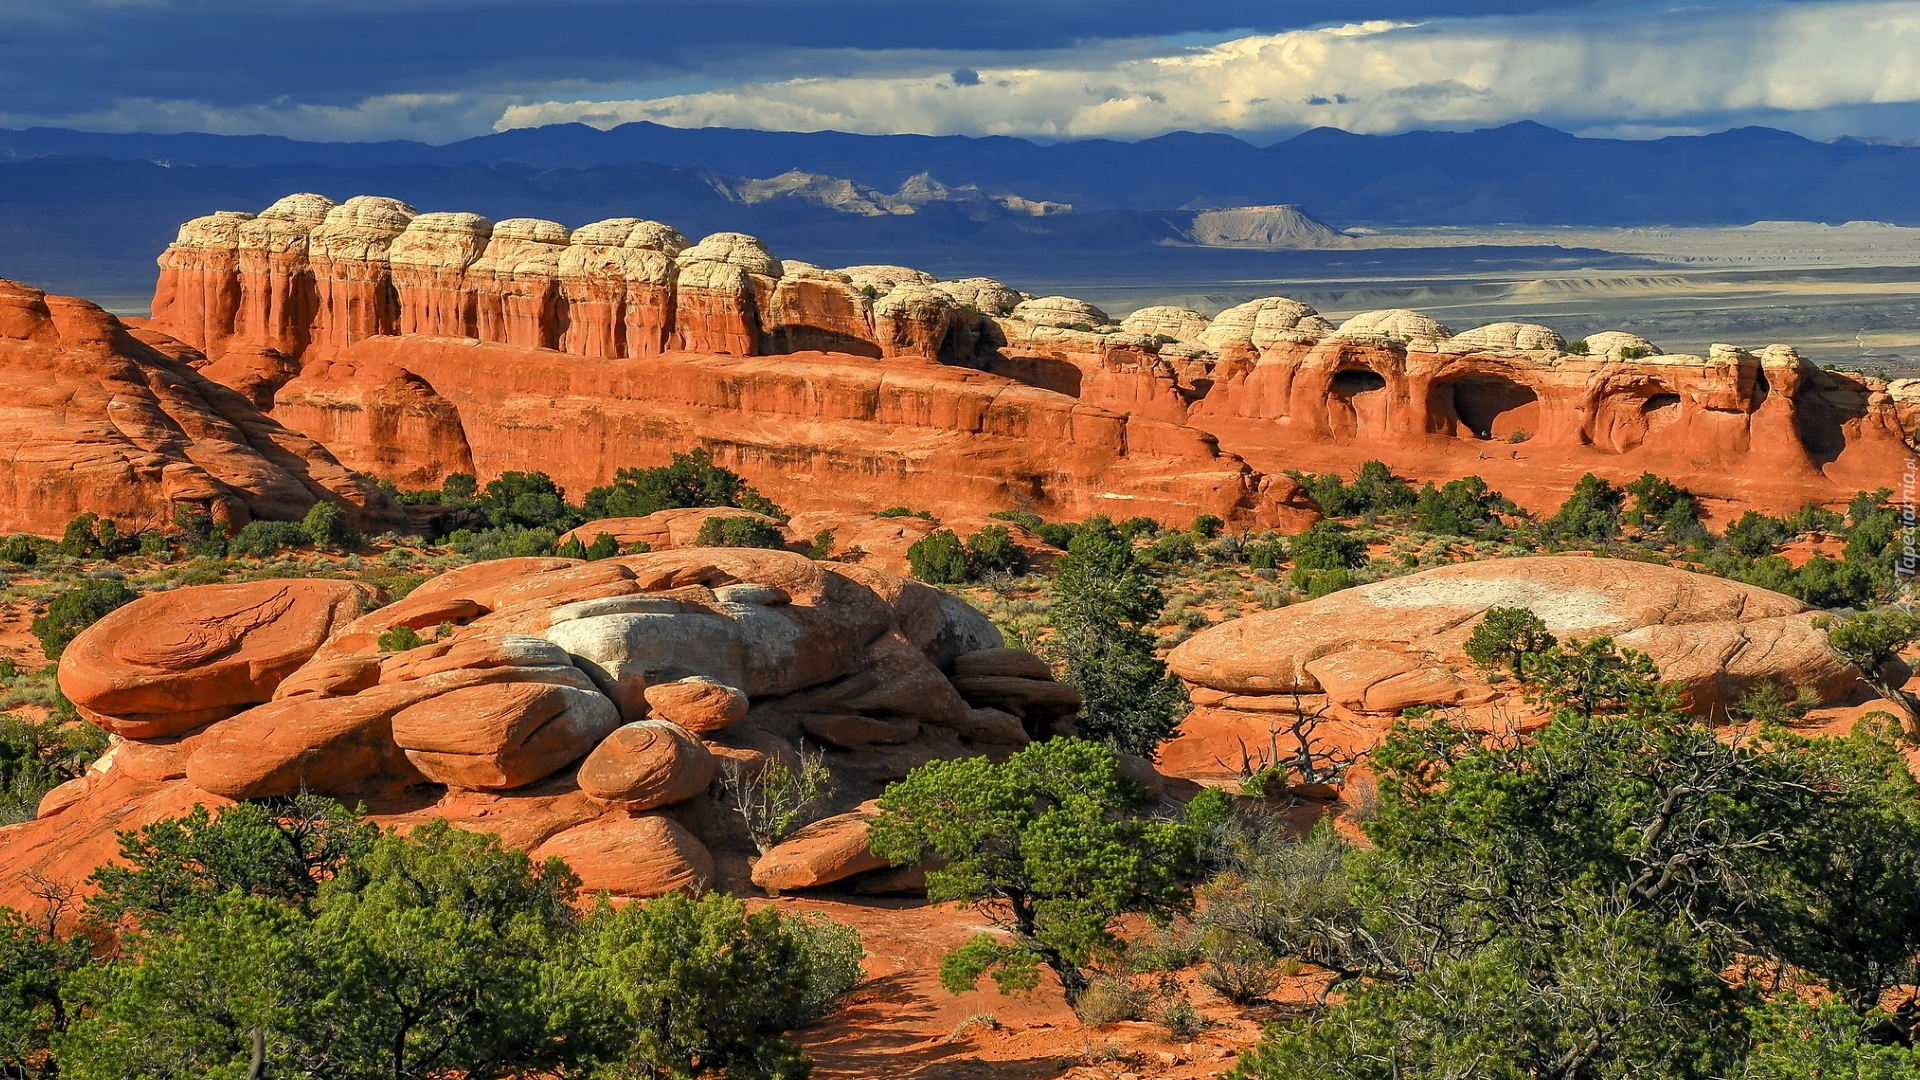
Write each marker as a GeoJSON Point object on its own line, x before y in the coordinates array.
{"type": "Point", "coordinates": [63, 57]}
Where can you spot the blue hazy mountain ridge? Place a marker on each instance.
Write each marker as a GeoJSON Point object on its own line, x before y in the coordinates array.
{"type": "Point", "coordinates": [87, 212]}
{"type": "Point", "coordinates": [1522, 173]}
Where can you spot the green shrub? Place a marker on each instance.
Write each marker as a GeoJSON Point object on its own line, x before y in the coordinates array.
{"type": "Point", "coordinates": [265, 539]}
{"type": "Point", "coordinates": [197, 532]}
{"type": "Point", "coordinates": [1607, 883]}
{"type": "Point", "coordinates": [1103, 607]}
{"type": "Point", "coordinates": [1463, 507]}
{"type": "Point", "coordinates": [529, 501]}
{"type": "Point", "coordinates": [1505, 637]}
{"type": "Point", "coordinates": [1173, 549]}
{"type": "Point", "coordinates": [821, 546]}
{"type": "Point", "coordinates": [604, 546]}
{"type": "Point", "coordinates": [76, 609]}
{"type": "Point", "coordinates": [741, 532]}
{"type": "Point", "coordinates": [514, 541]}
{"type": "Point", "coordinates": [939, 558]}
{"type": "Point", "coordinates": [459, 489]}
{"type": "Point", "coordinates": [690, 480]}
{"type": "Point", "coordinates": [436, 953]}
{"type": "Point", "coordinates": [1207, 526]}
{"type": "Point", "coordinates": [1057, 832]}
{"type": "Point", "coordinates": [35, 758]}
{"type": "Point", "coordinates": [400, 639]}
{"type": "Point", "coordinates": [1319, 583]}
{"type": "Point", "coordinates": [992, 551]}
{"type": "Point", "coordinates": [326, 527]}
{"type": "Point", "coordinates": [1266, 555]}
{"type": "Point", "coordinates": [1026, 519]}
{"type": "Point", "coordinates": [570, 548]}
{"type": "Point", "coordinates": [704, 988]}
{"type": "Point", "coordinates": [1756, 534]}
{"type": "Point", "coordinates": [20, 550]}
{"type": "Point", "coordinates": [1375, 490]}
{"type": "Point", "coordinates": [1814, 518]}
{"type": "Point", "coordinates": [1060, 534]}
{"type": "Point", "coordinates": [1327, 546]}
{"type": "Point", "coordinates": [79, 540]}
{"type": "Point", "coordinates": [1591, 513]}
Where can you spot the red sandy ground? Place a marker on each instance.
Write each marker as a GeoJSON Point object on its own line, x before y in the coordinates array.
{"type": "Point", "coordinates": [903, 1025]}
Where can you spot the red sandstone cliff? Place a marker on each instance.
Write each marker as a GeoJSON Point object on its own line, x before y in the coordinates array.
{"type": "Point", "coordinates": [92, 418]}
{"type": "Point", "coordinates": [1272, 379]}
{"type": "Point", "coordinates": [813, 431]}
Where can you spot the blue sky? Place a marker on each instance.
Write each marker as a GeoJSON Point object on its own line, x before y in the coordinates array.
{"type": "Point", "coordinates": [440, 70]}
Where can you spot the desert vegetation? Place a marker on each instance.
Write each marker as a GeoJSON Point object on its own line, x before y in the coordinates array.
{"type": "Point", "coordinates": [1614, 889]}
{"type": "Point", "coordinates": [296, 934]}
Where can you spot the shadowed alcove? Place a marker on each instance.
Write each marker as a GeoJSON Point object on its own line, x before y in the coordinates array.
{"type": "Point", "coordinates": [1490, 406]}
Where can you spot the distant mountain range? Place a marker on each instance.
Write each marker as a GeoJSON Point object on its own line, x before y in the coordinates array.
{"type": "Point", "coordinates": [88, 211]}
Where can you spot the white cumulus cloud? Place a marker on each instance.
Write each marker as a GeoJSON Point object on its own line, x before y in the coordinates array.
{"type": "Point", "coordinates": [1618, 70]}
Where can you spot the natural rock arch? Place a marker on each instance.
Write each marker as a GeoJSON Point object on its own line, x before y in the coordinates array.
{"type": "Point", "coordinates": [1624, 420]}
{"type": "Point", "coordinates": [1489, 406]}
{"type": "Point", "coordinates": [1821, 417]}
{"type": "Point", "coordinates": [1355, 401]}
{"type": "Point", "coordinates": [1354, 381]}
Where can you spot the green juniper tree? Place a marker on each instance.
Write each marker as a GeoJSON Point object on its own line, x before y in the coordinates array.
{"type": "Point", "coordinates": [1568, 905]}
{"type": "Point", "coordinates": [1103, 606]}
{"type": "Point", "coordinates": [1058, 834]}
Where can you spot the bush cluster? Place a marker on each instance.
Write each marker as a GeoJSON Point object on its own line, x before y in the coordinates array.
{"type": "Point", "coordinates": [1584, 902]}
{"type": "Point", "coordinates": [356, 954]}
{"type": "Point", "coordinates": [942, 558]}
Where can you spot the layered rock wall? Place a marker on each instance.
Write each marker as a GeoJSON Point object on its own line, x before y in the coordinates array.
{"type": "Point", "coordinates": [1510, 403]}
{"type": "Point", "coordinates": [94, 418]}
{"type": "Point", "coordinates": [1274, 380]}
{"type": "Point", "coordinates": [306, 277]}
{"type": "Point", "coordinates": [813, 431]}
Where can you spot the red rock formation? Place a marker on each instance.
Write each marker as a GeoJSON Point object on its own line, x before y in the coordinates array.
{"type": "Point", "coordinates": [809, 430]}
{"type": "Point", "coordinates": [515, 283]}
{"type": "Point", "coordinates": [198, 296]}
{"type": "Point", "coordinates": [617, 277]}
{"type": "Point", "coordinates": [647, 764]}
{"type": "Point", "coordinates": [1363, 655]}
{"type": "Point", "coordinates": [278, 298]}
{"type": "Point", "coordinates": [913, 320]}
{"type": "Point", "coordinates": [829, 850]}
{"type": "Point", "coordinates": [485, 724]}
{"type": "Point", "coordinates": [725, 281]}
{"type": "Point", "coordinates": [92, 418]}
{"type": "Point", "coordinates": [1768, 430]}
{"type": "Point", "coordinates": [661, 529]}
{"type": "Point", "coordinates": [173, 661]}
{"type": "Point", "coordinates": [429, 263]}
{"type": "Point", "coordinates": [815, 310]}
{"type": "Point", "coordinates": [349, 256]}
{"type": "Point", "coordinates": [1279, 383]}
{"type": "Point", "coordinates": [1381, 648]}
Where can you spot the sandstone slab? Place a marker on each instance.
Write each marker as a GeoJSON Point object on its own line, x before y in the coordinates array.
{"type": "Point", "coordinates": [647, 764]}
{"type": "Point", "coordinates": [824, 852]}
{"type": "Point", "coordinates": [172, 661]}
{"type": "Point", "coordinates": [1383, 647]}
{"type": "Point", "coordinates": [641, 856]}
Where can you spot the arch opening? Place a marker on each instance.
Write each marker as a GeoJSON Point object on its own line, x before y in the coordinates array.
{"type": "Point", "coordinates": [1493, 406]}
{"type": "Point", "coordinates": [1357, 381]}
